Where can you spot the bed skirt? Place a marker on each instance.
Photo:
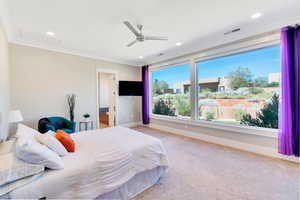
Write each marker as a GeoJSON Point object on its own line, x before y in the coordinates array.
{"type": "Point", "coordinates": [136, 185]}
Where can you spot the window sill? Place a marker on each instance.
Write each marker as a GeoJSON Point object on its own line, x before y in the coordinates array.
{"type": "Point", "coordinates": [266, 132]}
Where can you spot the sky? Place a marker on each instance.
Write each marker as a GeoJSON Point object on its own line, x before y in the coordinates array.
{"type": "Point", "coordinates": [260, 62]}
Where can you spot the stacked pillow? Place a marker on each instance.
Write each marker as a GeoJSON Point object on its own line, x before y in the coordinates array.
{"type": "Point", "coordinates": [43, 149]}
{"type": "Point", "coordinates": [13, 171]}
{"type": "Point", "coordinates": [51, 142]}
{"type": "Point", "coordinates": [24, 160]}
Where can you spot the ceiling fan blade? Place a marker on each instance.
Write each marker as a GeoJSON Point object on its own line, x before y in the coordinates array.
{"type": "Point", "coordinates": [131, 28]}
{"type": "Point", "coordinates": [155, 38]}
{"type": "Point", "coordinates": [131, 43]}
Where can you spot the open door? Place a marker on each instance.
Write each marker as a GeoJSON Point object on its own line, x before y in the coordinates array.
{"type": "Point", "coordinates": [107, 99]}
{"type": "Point", "coordinates": [112, 100]}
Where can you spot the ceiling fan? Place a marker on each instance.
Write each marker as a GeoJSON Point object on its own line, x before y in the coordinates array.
{"type": "Point", "coordinates": [139, 35]}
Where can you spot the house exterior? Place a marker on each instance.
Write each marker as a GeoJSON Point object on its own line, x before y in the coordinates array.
{"type": "Point", "coordinates": [214, 84]}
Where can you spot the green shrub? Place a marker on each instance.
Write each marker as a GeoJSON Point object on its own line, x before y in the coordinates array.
{"type": "Point", "coordinates": [206, 93]}
{"type": "Point", "coordinates": [183, 105]}
{"type": "Point", "coordinates": [209, 116]}
{"type": "Point", "coordinates": [239, 114]}
{"type": "Point", "coordinates": [164, 107]}
{"type": "Point", "coordinates": [273, 84]}
{"type": "Point", "coordinates": [267, 117]}
{"type": "Point", "coordinates": [255, 90]}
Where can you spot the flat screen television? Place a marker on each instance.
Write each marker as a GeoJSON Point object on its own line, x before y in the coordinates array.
{"type": "Point", "coordinates": [131, 88]}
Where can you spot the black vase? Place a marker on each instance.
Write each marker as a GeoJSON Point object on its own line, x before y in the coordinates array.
{"type": "Point", "coordinates": [71, 103]}
{"type": "Point", "coordinates": [72, 115]}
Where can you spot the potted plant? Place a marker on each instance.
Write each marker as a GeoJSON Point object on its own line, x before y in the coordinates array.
{"type": "Point", "coordinates": [86, 116]}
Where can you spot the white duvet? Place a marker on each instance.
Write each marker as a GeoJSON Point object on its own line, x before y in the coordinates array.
{"type": "Point", "coordinates": [103, 161]}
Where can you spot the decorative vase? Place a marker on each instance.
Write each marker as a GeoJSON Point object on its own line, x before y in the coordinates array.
{"type": "Point", "coordinates": [71, 103]}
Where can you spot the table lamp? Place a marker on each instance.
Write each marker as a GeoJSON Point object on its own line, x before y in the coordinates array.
{"type": "Point", "coordinates": [15, 116]}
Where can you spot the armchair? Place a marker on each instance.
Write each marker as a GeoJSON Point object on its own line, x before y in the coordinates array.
{"type": "Point", "coordinates": [56, 123]}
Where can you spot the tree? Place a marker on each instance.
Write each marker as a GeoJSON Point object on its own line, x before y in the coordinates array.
{"type": "Point", "coordinates": [241, 77]}
{"type": "Point", "coordinates": [267, 117]}
{"type": "Point", "coordinates": [260, 82]}
{"type": "Point", "coordinates": [164, 107]}
{"type": "Point", "coordinates": [159, 86]}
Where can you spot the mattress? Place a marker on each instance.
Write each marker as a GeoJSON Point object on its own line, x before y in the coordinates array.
{"type": "Point", "coordinates": [104, 161]}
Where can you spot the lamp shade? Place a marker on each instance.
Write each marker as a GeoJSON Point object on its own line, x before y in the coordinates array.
{"type": "Point", "coordinates": [15, 116]}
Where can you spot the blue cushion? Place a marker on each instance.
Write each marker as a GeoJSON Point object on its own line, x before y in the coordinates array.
{"type": "Point", "coordinates": [67, 130]}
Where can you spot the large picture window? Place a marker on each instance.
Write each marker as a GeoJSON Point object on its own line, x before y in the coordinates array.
{"type": "Point", "coordinates": [171, 91]}
{"type": "Point", "coordinates": [236, 89]}
{"type": "Point", "coordinates": [241, 89]}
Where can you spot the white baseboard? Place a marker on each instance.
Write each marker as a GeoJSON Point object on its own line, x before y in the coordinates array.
{"type": "Point", "coordinates": [131, 124]}
{"type": "Point", "coordinates": [226, 142]}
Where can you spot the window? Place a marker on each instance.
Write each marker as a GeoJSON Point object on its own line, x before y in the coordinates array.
{"type": "Point", "coordinates": [171, 91]}
{"type": "Point", "coordinates": [241, 89]}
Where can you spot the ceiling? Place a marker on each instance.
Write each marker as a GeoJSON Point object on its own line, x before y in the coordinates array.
{"type": "Point", "coordinates": [94, 28]}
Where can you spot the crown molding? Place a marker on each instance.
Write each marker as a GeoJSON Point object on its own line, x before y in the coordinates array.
{"type": "Point", "coordinates": [74, 53]}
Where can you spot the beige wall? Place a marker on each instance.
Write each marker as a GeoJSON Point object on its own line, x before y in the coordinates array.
{"type": "Point", "coordinates": [41, 79]}
{"type": "Point", "coordinates": [4, 83]}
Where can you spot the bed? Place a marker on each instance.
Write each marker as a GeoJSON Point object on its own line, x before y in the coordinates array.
{"type": "Point", "coordinates": [112, 163]}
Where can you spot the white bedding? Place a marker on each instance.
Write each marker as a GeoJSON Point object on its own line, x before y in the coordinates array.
{"type": "Point", "coordinates": [103, 161]}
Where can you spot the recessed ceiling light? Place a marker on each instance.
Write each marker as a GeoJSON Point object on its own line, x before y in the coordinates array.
{"type": "Point", "coordinates": [51, 34]}
{"type": "Point", "coordinates": [178, 44]}
{"type": "Point", "coordinates": [141, 57]}
{"type": "Point", "coordinates": [256, 15]}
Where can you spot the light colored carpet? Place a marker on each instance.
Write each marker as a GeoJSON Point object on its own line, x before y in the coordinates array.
{"type": "Point", "coordinates": [200, 170]}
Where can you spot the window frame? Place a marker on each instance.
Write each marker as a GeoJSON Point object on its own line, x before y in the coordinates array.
{"type": "Point", "coordinates": [166, 66]}
{"type": "Point", "coordinates": [242, 46]}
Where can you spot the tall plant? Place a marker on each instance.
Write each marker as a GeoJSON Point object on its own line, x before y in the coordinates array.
{"type": "Point", "coordinates": [267, 117]}
{"type": "Point", "coordinates": [71, 104]}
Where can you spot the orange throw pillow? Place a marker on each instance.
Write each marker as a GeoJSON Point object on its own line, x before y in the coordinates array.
{"type": "Point", "coordinates": [66, 140]}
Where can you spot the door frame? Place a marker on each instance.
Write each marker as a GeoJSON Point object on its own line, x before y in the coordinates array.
{"type": "Point", "coordinates": [98, 71]}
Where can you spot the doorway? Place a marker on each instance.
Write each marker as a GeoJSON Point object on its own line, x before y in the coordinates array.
{"type": "Point", "coordinates": [106, 99]}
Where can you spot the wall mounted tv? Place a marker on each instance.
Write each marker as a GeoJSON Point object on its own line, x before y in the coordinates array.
{"type": "Point", "coordinates": [131, 88]}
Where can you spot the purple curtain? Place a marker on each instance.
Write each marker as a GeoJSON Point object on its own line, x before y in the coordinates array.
{"type": "Point", "coordinates": [145, 79]}
{"type": "Point", "coordinates": [290, 102]}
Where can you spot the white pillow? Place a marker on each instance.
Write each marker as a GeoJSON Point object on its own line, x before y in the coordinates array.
{"type": "Point", "coordinates": [25, 131]}
{"type": "Point", "coordinates": [51, 142]}
{"type": "Point", "coordinates": [32, 152]}
{"type": "Point", "coordinates": [12, 168]}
